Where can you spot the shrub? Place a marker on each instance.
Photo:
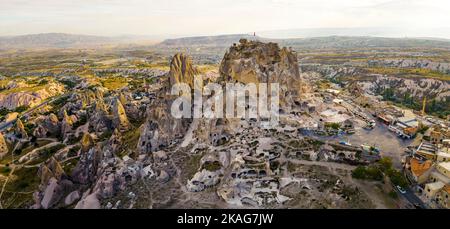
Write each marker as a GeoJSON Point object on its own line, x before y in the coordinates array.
{"type": "Point", "coordinates": [212, 166]}
{"type": "Point", "coordinates": [367, 173]}
{"type": "Point", "coordinates": [69, 84]}
{"type": "Point", "coordinates": [359, 172]}
{"type": "Point", "coordinates": [21, 109]}
{"type": "Point", "coordinates": [334, 126]}
{"type": "Point", "coordinates": [385, 164]}
{"type": "Point", "coordinates": [5, 170]}
{"type": "Point", "coordinates": [397, 178]}
{"type": "Point", "coordinates": [374, 173]}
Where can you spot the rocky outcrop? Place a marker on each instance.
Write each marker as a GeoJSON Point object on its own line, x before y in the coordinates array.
{"type": "Point", "coordinates": [20, 130]}
{"type": "Point", "coordinates": [163, 177]}
{"type": "Point", "coordinates": [3, 146]}
{"type": "Point", "coordinates": [113, 145]}
{"type": "Point", "coordinates": [202, 180]}
{"type": "Point", "coordinates": [86, 142]}
{"type": "Point", "coordinates": [11, 116]}
{"type": "Point", "coordinates": [30, 99]}
{"type": "Point", "coordinates": [72, 197]}
{"type": "Point", "coordinates": [112, 174]}
{"type": "Point", "coordinates": [160, 129]}
{"type": "Point", "coordinates": [67, 124]}
{"type": "Point", "coordinates": [51, 169]}
{"type": "Point", "coordinates": [433, 89]}
{"type": "Point", "coordinates": [85, 172]}
{"type": "Point", "coordinates": [412, 63]}
{"type": "Point", "coordinates": [257, 62]}
{"type": "Point", "coordinates": [89, 97]}
{"type": "Point", "coordinates": [54, 184]}
{"type": "Point", "coordinates": [46, 126]}
{"type": "Point", "coordinates": [182, 70]}
{"type": "Point", "coordinates": [98, 118]}
{"type": "Point", "coordinates": [120, 119]}
{"type": "Point", "coordinates": [330, 72]}
{"type": "Point", "coordinates": [89, 202]}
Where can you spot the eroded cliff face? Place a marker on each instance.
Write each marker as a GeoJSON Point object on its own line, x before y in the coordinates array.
{"type": "Point", "coordinates": [3, 146]}
{"type": "Point", "coordinates": [257, 62]}
{"type": "Point", "coordinates": [47, 125]}
{"type": "Point", "coordinates": [431, 88]}
{"type": "Point", "coordinates": [248, 62]}
{"type": "Point", "coordinates": [173, 157]}
{"type": "Point", "coordinates": [160, 127]}
{"type": "Point", "coordinates": [182, 70]}
{"type": "Point", "coordinates": [120, 119]}
{"type": "Point", "coordinates": [412, 63]}
{"type": "Point", "coordinates": [29, 98]}
{"type": "Point", "coordinates": [408, 89]}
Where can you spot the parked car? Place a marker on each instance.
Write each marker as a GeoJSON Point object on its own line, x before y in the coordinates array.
{"type": "Point", "coordinates": [400, 189]}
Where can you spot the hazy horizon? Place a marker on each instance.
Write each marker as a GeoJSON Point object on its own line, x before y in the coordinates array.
{"type": "Point", "coordinates": [269, 18]}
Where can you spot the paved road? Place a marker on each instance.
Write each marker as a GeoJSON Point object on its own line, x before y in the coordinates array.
{"type": "Point", "coordinates": [412, 198]}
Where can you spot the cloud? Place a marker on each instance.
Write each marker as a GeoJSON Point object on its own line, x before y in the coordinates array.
{"type": "Point", "coordinates": [193, 17]}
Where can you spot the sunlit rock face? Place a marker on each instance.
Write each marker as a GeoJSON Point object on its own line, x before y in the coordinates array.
{"type": "Point", "coordinates": [120, 119]}
{"type": "Point", "coordinates": [3, 146]}
{"type": "Point", "coordinates": [29, 98]}
{"type": "Point", "coordinates": [182, 70]}
{"type": "Point", "coordinates": [161, 128]}
{"type": "Point", "coordinates": [258, 62]}
{"type": "Point", "coordinates": [47, 125]}
{"type": "Point", "coordinates": [20, 130]}
{"type": "Point", "coordinates": [247, 62]}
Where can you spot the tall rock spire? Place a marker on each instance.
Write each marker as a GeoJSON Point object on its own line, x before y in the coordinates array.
{"type": "Point", "coordinates": [3, 146]}
{"type": "Point", "coordinates": [182, 70]}
{"type": "Point", "coordinates": [120, 117]}
{"type": "Point", "coordinates": [20, 129]}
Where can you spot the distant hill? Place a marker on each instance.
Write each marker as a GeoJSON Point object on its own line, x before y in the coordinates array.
{"type": "Point", "coordinates": [63, 40]}
{"type": "Point", "coordinates": [364, 42]}
{"type": "Point", "coordinates": [51, 40]}
{"type": "Point", "coordinates": [216, 41]}
{"type": "Point", "coordinates": [391, 32]}
{"type": "Point", "coordinates": [314, 42]}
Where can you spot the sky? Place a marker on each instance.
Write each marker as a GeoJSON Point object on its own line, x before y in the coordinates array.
{"type": "Point", "coordinates": [212, 17]}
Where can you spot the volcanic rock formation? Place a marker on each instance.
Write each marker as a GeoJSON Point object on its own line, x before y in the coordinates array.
{"type": "Point", "coordinates": [258, 62]}
{"type": "Point", "coordinates": [182, 70]}
{"type": "Point", "coordinates": [120, 119]}
{"type": "Point", "coordinates": [3, 146]}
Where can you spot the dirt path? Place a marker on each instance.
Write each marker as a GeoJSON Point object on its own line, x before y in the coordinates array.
{"type": "Point", "coordinates": [324, 164]}
{"type": "Point", "coordinates": [375, 194]}
{"type": "Point", "coordinates": [4, 186]}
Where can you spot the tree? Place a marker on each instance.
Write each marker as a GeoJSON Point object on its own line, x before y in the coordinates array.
{"type": "Point", "coordinates": [359, 172]}
{"type": "Point", "coordinates": [397, 178]}
{"type": "Point", "coordinates": [385, 163]}
{"type": "Point", "coordinates": [374, 173]}
{"type": "Point", "coordinates": [21, 109]}
{"type": "Point", "coordinates": [369, 173]}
